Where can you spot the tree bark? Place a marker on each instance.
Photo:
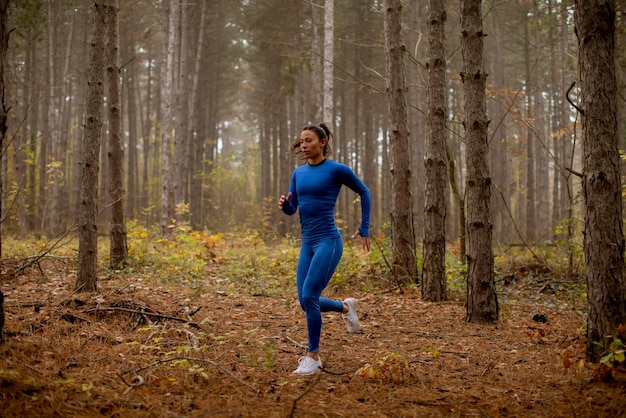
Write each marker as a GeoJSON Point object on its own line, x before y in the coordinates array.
{"type": "Point", "coordinates": [418, 98]}
{"type": "Point", "coordinates": [434, 270]}
{"type": "Point", "coordinates": [603, 241]}
{"type": "Point", "coordinates": [531, 199]}
{"type": "Point", "coordinates": [482, 302]}
{"type": "Point", "coordinates": [403, 236]}
{"type": "Point", "coordinates": [52, 167]}
{"type": "Point", "coordinates": [499, 150]}
{"type": "Point", "coordinates": [4, 46]}
{"type": "Point", "coordinates": [196, 143]}
{"type": "Point", "coordinates": [132, 87]}
{"type": "Point", "coordinates": [329, 63]}
{"type": "Point", "coordinates": [542, 180]}
{"type": "Point", "coordinates": [31, 64]}
{"type": "Point", "coordinates": [317, 67]}
{"type": "Point", "coordinates": [64, 99]}
{"type": "Point", "coordinates": [182, 144]}
{"type": "Point", "coordinates": [118, 246]}
{"type": "Point", "coordinates": [167, 74]}
{"type": "Point", "coordinates": [86, 280]}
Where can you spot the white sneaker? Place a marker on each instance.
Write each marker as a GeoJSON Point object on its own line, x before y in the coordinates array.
{"type": "Point", "coordinates": [350, 318]}
{"type": "Point", "coordinates": [306, 365]}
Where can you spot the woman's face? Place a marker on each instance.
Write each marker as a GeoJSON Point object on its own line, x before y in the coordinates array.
{"type": "Point", "coordinates": [311, 145]}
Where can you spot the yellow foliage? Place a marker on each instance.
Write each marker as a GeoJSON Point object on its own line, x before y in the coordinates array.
{"type": "Point", "coordinates": [389, 368]}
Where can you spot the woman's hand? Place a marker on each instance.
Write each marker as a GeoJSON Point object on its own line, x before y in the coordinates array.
{"type": "Point", "coordinates": [367, 244]}
{"type": "Point", "coordinates": [283, 199]}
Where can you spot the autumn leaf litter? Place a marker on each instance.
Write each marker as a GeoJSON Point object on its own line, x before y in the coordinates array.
{"type": "Point", "coordinates": [145, 349]}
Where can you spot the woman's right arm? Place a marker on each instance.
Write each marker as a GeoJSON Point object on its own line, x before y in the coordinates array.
{"type": "Point", "coordinates": [289, 203]}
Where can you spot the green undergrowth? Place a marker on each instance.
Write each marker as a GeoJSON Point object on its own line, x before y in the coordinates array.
{"type": "Point", "coordinates": [245, 262]}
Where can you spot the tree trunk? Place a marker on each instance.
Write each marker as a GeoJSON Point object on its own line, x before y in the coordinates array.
{"type": "Point", "coordinates": [329, 63]}
{"type": "Point", "coordinates": [196, 142]}
{"type": "Point", "coordinates": [459, 202]}
{"type": "Point", "coordinates": [542, 142]}
{"type": "Point", "coordinates": [403, 236]}
{"type": "Point", "coordinates": [482, 302]}
{"type": "Point", "coordinates": [499, 150]}
{"type": "Point", "coordinates": [531, 200]}
{"type": "Point", "coordinates": [132, 89]}
{"type": "Point", "coordinates": [146, 135]}
{"type": "Point", "coordinates": [167, 73]}
{"type": "Point", "coordinates": [181, 107]}
{"type": "Point", "coordinates": [434, 270]}
{"type": "Point", "coordinates": [86, 280]}
{"type": "Point", "coordinates": [20, 142]}
{"type": "Point", "coordinates": [64, 100]}
{"type": "Point", "coordinates": [317, 67]}
{"type": "Point", "coordinates": [4, 46]}
{"type": "Point", "coordinates": [47, 122]}
{"type": "Point", "coordinates": [603, 242]}
{"type": "Point", "coordinates": [52, 166]}
{"type": "Point", "coordinates": [119, 249]}
{"type": "Point", "coordinates": [567, 147]}
{"type": "Point", "coordinates": [418, 98]}
{"type": "Point", "coordinates": [33, 126]}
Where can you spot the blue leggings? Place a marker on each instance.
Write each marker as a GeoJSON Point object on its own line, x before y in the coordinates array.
{"type": "Point", "coordinates": [316, 266]}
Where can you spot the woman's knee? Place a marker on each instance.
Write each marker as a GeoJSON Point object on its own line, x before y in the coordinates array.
{"type": "Point", "coordinates": [310, 302]}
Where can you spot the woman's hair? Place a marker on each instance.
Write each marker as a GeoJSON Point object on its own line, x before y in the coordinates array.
{"type": "Point", "coordinates": [322, 132]}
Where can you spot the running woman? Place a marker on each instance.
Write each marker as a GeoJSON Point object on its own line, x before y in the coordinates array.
{"type": "Point", "coordinates": [313, 191]}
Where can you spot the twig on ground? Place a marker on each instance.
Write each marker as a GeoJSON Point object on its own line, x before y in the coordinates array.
{"type": "Point", "coordinates": [202, 360]}
{"type": "Point", "coordinates": [303, 394]}
{"type": "Point", "coordinates": [137, 381]}
{"type": "Point", "coordinates": [139, 312]}
{"type": "Point", "coordinates": [30, 367]}
{"type": "Point", "coordinates": [195, 311]}
{"type": "Point", "coordinates": [193, 337]}
{"type": "Point", "coordinates": [297, 344]}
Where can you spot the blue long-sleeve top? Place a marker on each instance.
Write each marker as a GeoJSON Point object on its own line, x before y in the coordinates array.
{"type": "Point", "coordinates": [314, 190]}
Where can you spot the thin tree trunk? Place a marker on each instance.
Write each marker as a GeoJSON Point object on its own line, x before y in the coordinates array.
{"type": "Point", "coordinates": [196, 142]}
{"type": "Point", "coordinates": [86, 280]}
{"type": "Point", "coordinates": [482, 302]}
{"type": "Point", "coordinates": [146, 135]}
{"type": "Point", "coordinates": [52, 168]}
{"type": "Point", "coordinates": [118, 248]}
{"type": "Point", "coordinates": [329, 63]}
{"type": "Point", "coordinates": [316, 66]}
{"type": "Point", "coordinates": [79, 119]}
{"type": "Point", "coordinates": [434, 270]}
{"type": "Point", "coordinates": [418, 97]}
{"type": "Point", "coordinates": [33, 127]}
{"type": "Point", "coordinates": [542, 183]}
{"type": "Point", "coordinates": [567, 197]}
{"type": "Point", "coordinates": [459, 203]}
{"type": "Point", "coordinates": [47, 129]}
{"type": "Point", "coordinates": [167, 73]}
{"type": "Point", "coordinates": [132, 185]}
{"type": "Point", "coordinates": [20, 142]}
{"type": "Point", "coordinates": [181, 138]}
{"type": "Point", "coordinates": [4, 46]}
{"type": "Point", "coordinates": [61, 194]}
{"type": "Point", "coordinates": [603, 241]}
{"type": "Point", "coordinates": [403, 236]}
{"type": "Point", "coordinates": [498, 147]}
{"type": "Point", "coordinates": [531, 200]}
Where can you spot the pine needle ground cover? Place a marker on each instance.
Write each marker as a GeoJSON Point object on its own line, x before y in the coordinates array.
{"type": "Point", "coordinates": [203, 325]}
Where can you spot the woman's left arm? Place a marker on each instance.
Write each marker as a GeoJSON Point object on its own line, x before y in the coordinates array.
{"type": "Point", "coordinates": [356, 184]}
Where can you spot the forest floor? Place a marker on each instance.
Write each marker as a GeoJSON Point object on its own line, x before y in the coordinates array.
{"type": "Point", "coordinates": [142, 347]}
